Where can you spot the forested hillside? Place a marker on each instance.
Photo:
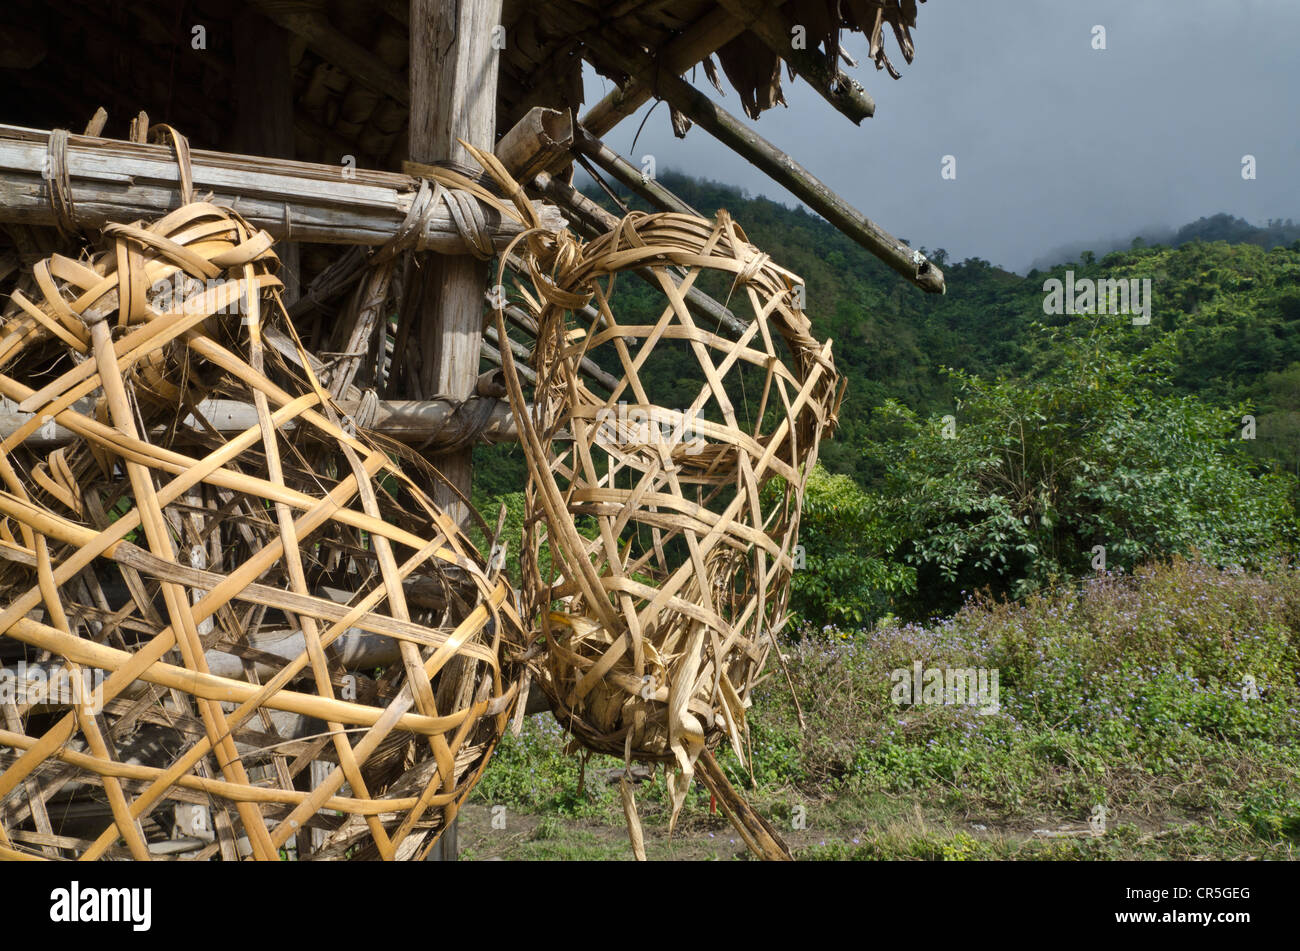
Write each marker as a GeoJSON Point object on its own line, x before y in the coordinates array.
{"type": "Point", "coordinates": [988, 445]}
{"type": "Point", "coordinates": [1220, 227]}
{"type": "Point", "coordinates": [1235, 308]}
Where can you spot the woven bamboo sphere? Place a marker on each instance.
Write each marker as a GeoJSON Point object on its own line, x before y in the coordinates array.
{"type": "Point", "coordinates": [300, 652]}
{"type": "Point", "coordinates": [661, 525]}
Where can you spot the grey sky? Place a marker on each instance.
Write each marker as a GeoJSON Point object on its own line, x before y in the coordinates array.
{"type": "Point", "coordinates": [1055, 141]}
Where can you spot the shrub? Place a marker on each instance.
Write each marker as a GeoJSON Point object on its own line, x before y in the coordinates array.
{"type": "Point", "coordinates": [1031, 476]}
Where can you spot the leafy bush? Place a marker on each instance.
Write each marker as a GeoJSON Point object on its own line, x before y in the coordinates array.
{"type": "Point", "coordinates": [1171, 686]}
{"type": "Point", "coordinates": [847, 576]}
{"type": "Point", "coordinates": [1021, 488]}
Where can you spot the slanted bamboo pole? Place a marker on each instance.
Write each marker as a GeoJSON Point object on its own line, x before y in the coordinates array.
{"type": "Point", "coordinates": [709, 32]}
{"type": "Point", "coordinates": [758, 151]}
{"type": "Point", "coordinates": [627, 173]}
{"type": "Point", "coordinates": [717, 27]}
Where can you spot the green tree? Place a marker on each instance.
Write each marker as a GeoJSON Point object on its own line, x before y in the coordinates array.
{"type": "Point", "coordinates": [848, 576]}
{"type": "Point", "coordinates": [1030, 476]}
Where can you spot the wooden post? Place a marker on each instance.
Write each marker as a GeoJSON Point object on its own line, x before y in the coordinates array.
{"type": "Point", "coordinates": [453, 96]}
{"type": "Point", "coordinates": [264, 109]}
{"type": "Point", "coordinates": [453, 76]}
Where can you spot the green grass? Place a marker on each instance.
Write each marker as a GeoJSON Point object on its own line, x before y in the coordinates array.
{"type": "Point", "coordinates": [1128, 693]}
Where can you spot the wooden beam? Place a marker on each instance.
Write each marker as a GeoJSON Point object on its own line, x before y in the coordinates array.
{"type": "Point", "coordinates": [758, 151]}
{"type": "Point", "coordinates": [119, 181]}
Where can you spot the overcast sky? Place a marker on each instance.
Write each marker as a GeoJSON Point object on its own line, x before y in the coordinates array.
{"type": "Point", "coordinates": [1054, 141]}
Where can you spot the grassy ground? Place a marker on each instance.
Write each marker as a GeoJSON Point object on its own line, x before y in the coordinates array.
{"type": "Point", "coordinates": [1168, 701]}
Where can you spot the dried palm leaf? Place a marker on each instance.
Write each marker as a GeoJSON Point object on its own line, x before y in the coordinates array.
{"type": "Point", "coordinates": [755, 72]}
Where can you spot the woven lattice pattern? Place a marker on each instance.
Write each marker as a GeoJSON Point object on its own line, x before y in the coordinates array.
{"type": "Point", "coordinates": [299, 649]}
{"type": "Point", "coordinates": [659, 541]}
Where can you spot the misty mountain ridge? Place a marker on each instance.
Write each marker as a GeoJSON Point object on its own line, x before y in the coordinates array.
{"type": "Point", "coordinates": [1221, 227]}
{"type": "Point", "coordinates": [707, 195]}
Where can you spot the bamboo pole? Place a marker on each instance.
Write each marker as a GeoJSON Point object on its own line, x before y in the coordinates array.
{"type": "Point", "coordinates": [709, 32]}
{"type": "Point", "coordinates": [627, 173]}
{"type": "Point", "coordinates": [536, 140]}
{"type": "Point", "coordinates": [115, 181]}
{"type": "Point", "coordinates": [517, 316]}
{"type": "Point", "coordinates": [717, 27]}
{"type": "Point", "coordinates": [758, 151]}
